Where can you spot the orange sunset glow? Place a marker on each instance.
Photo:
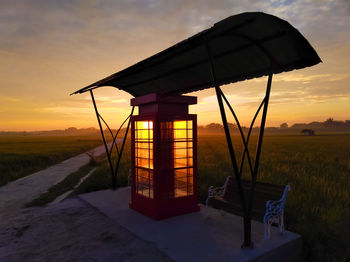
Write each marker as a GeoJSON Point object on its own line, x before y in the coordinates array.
{"type": "Point", "coordinates": [49, 49]}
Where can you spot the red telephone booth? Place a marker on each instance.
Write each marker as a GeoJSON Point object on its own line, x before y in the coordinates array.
{"type": "Point", "coordinates": [164, 156]}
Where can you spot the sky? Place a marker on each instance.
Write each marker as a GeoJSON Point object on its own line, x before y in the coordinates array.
{"type": "Point", "coordinates": [50, 48]}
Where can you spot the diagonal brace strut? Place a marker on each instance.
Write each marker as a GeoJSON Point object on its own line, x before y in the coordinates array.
{"type": "Point", "coordinates": [114, 171]}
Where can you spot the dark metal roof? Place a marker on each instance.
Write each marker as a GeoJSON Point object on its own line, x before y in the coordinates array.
{"type": "Point", "coordinates": [243, 46]}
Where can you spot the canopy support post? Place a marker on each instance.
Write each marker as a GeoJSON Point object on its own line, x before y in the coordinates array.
{"type": "Point", "coordinates": [104, 140]}
{"type": "Point", "coordinates": [246, 222]}
{"type": "Point", "coordinates": [253, 171]}
{"type": "Point", "coordinates": [247, 206]}
{"type": "Point", "coordinates": [259, 144]}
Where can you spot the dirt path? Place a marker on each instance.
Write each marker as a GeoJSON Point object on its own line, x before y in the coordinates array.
{"type": "Point", "coordinates": [71, 231]}
{"type": "Point", "coordinates": [17, 193]}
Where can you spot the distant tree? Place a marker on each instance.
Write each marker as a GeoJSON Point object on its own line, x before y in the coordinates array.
{"type": "Point", "coordinates": [347, 122]}
{"type": "Point", "coordinates": [308, 132]}
{"type": "Point", "coordinates": [214, 126]}
{"type": "Point", "coordinates": [232, 126]}
{"type": "Point", "coordinates": [284, 126]}
{"type": "Point", "coordinates": [71, 129]}
{"type": "Point", "coordinates": [329, 122]}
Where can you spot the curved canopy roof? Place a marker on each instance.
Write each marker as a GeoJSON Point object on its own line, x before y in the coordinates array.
{"type": "Point", "coordinates": [243, 46]}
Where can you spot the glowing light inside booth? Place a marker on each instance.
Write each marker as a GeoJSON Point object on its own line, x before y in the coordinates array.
{"type": "Point", "coordinates": [144, 158]}
{"type": "Point", "coordinates": [179, 134]}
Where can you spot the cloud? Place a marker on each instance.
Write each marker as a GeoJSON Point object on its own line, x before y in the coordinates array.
{"type": "Point", "coordinates": [296, 77]}
{"type": "Point", "coordinates": [49, 49]}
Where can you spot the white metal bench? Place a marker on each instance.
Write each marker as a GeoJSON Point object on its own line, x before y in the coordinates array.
{"type": "Point", "coordinates": [268, 206]}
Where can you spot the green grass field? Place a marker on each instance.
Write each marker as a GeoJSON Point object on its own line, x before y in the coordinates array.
{"type": "Point", "coordinates": [317, 169]}
{"type": "Point", "coordinates": [23, 155]}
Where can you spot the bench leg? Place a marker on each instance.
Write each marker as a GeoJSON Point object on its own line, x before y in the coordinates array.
{"type": "Point", "coordinates": [267, 229]}
{"type": "Point", "coordinates": [207, 200]}
{"type": "Point", "coordinates": [281, 223]}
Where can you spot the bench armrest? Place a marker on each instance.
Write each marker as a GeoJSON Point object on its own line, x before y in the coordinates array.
{"type": "Point", "coordinates": [213, 192]}
{"type": "Point", "coordinates": [274, 207]}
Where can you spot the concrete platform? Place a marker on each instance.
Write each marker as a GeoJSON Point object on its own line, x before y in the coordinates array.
{"type": "Point", "coordinates": [208, 235]}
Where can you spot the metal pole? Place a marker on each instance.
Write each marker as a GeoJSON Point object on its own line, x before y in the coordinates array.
{"type": "Point", "coordinates": [262, 126]}
{"type": "Point", "coordinates": [246, 223]}
{"type": "Point", "coordinates": [259, 145]}
{"type": "Point", "coordinates": [103, 138]}
{"type": "Point", "coordinates": [121, 149]}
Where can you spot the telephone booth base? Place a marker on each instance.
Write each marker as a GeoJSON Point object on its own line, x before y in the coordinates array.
{"type": "Point", "coordinates": [167, 210]}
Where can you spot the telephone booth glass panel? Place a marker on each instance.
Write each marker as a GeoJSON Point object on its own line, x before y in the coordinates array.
{"type": "Point", "coordinates": [178, 137]}
{"type": "Point", "coordinates": [183, 158]}
{"type": "Point", "coordinates": [144, 158]}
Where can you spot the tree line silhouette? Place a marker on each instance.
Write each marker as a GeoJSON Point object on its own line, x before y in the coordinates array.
{"type": "Point", "coordinates": [329, 125]}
